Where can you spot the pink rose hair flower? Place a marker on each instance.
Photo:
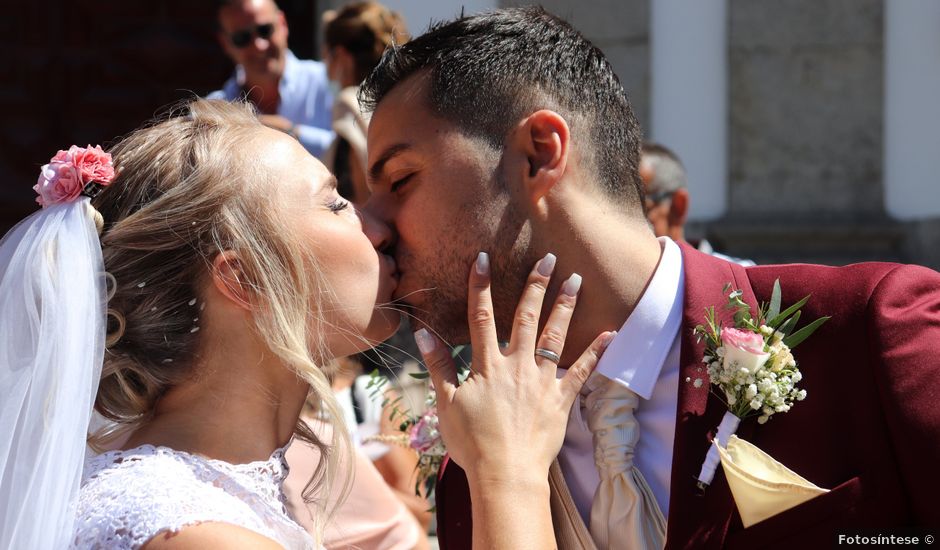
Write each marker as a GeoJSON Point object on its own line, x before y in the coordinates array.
{"type": "Point", "coordinates": [70, 172]}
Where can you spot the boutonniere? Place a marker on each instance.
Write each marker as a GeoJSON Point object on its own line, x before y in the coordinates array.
{"type": "Point", "coordinates": [751, 365]}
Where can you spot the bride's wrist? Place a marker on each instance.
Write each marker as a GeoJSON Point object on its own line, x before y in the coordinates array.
{"type": "Point", "coordinates": [502, 476]}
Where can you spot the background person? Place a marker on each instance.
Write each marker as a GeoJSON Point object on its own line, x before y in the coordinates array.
{"type": "Point", "coordinates": [291, 95]}
{"type": "Point", "coordinates": [371, 517]}
{"type": "Point", "coordinates": [396, 517]}
{"type": "Point", "coordinates": [355, 36]}
{"type": "Point", "coordinates": [667, 197]}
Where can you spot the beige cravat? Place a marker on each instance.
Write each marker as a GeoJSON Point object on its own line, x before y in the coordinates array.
{"type": "Point", "coordinates": [624, 513]}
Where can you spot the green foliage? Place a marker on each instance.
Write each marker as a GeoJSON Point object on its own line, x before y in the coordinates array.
{"type": "Point", "coordinates": [785, 314]}
{"type": "Point", "coordinates": [769, 314]}
{"type": "Point", "coordinates": [797, 337]}
{"type": "Point", "coordinates": [787, 327]}
{"type": "Point", "coordinates": [773, 309]}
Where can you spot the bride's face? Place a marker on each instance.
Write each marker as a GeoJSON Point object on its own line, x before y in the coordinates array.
{"type": "Point", "coordinates": [355, 277]}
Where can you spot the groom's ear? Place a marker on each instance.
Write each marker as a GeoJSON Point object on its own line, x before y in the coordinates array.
{"type": "Point", "coordinates": [543, 140]}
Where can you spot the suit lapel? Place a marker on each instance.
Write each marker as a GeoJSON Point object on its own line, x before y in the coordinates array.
{"type": "Point", "coordinates": [697, 519]}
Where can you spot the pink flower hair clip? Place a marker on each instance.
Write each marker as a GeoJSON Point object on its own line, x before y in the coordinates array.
{"type": "Point", "coordinates": [73, 173]}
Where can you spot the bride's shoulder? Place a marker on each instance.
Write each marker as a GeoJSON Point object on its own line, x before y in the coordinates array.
{"type": "Point", "coordinates": [127, 497]}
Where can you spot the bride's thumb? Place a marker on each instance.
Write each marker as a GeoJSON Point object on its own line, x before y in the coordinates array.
{"type": "Point", "coordinates": [439, 363]}
{"type": "Point", "coordinates": [579, 372]}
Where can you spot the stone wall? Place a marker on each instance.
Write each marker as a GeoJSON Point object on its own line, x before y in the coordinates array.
{"type": "Point", "coordinates": [805, 137]}
{"type": "Point", "coordinates": [806, 108]}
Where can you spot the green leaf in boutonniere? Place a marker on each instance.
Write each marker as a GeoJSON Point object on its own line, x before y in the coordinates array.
{"type": "Point", "coordinates": [797, 337]}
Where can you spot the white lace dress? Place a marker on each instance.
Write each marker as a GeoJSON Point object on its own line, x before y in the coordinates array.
{"type": "Point", "coordinates": [127, 497]}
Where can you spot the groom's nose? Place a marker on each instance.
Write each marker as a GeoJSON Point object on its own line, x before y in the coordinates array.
{"type": "Point", "coordinates": [380, 233]}
{"type": "Point", "coordinates": [381, 208]}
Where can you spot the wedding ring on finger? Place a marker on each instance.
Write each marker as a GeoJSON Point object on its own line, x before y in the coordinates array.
{"type": "Point", "coordinates": [548, 354]}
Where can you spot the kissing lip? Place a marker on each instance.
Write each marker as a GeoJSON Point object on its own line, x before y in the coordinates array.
{"type": "Point", "coordinates": [392, 270]}
{"type": "Point", "coordinates": [405, 295]}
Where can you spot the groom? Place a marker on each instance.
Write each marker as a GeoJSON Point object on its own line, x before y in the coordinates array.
{"type": "Point", "coordinates": [509, 133]}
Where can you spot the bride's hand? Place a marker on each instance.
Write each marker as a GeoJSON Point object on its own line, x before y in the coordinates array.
{"type": "Point", "coordinates": [507, 421]}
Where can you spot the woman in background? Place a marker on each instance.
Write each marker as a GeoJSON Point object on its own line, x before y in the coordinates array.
{"type": "Point", "coordinates": [355, 37]}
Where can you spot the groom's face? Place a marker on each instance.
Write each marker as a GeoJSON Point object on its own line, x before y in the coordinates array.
{"type": "Point", "coordinates": [443, 195]}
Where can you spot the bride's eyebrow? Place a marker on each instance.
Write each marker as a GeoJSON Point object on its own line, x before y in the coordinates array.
{"type": "Point", "coordinates": [329, 184]}
{"type": "Point", "coordinates": [388, 155]}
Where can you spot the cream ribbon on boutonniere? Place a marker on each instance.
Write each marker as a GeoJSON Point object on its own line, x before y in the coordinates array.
{"type": "Point", "coordinates": [761, 486]}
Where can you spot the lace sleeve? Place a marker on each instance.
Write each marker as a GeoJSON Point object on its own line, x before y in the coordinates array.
{"type": "Point", "coordinates": [125, 501]}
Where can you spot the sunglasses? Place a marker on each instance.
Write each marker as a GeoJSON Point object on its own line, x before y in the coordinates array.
{"type": "Point", "coordinates": [242, 38]}
{"type": "Point", "coordinates": [658, 197]}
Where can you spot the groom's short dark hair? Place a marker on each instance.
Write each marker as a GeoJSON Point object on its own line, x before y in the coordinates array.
{"type": "Point", "coordinates": [489, 70]}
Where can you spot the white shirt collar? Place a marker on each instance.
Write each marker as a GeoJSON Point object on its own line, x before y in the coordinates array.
{"type": "Point", "coordinates": [635, 357]}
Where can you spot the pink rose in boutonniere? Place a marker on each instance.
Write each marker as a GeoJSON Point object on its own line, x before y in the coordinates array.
{"type": "Point", "coordinates": [751, 366]}
{"type": "Point", "coordinates": [743, 348]}
{"type": "Point", "coordinates": [750, 344]}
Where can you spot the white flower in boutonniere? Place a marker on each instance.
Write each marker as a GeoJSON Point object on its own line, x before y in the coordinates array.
{"type": "Point", "coordinates": [750, 365]}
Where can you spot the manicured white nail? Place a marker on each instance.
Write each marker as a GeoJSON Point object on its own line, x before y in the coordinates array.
{"type": "Point", "coordinates": [547, 265]}
{"type": "Point", "coordinates": [483, 263]}
{"type": "Point", "coordinates": [425, 341]}
{"type": "Point", "coordinates": [572, 285]}
{"type": "Point", "coordinates": [608, 339]}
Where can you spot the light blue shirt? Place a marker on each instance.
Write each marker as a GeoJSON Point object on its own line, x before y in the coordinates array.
{"type": "Point", "coordinates": [644, 357]}
{"type": "Point", "coordinates": [306, 100]}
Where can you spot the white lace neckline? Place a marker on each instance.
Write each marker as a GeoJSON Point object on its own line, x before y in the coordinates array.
{"type": "Point", "coordinates": [130, 495]}
{"type": "Point", "coordinates": [276, 464]}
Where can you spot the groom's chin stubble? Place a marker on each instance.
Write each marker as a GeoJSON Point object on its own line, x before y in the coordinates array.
{"type": "Point", "coordinates": [446, 313]}
{"type": "Point", "coordinates": [449, 319]}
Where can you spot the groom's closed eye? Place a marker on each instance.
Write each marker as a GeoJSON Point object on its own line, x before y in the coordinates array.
{"type": "Point", "coordinates": [378, 167]}
{"type": "Point", "coordinates": [399, 183]}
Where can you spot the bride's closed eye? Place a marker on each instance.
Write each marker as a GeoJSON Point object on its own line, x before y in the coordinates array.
{"type": "Point", "coordinates": [338, 204]}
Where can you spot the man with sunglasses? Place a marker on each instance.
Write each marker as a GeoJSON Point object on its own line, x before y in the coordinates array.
{"type": "Point", "coordinates": [291, 95]}
{"type": "Point", "coordinates": [667, 198]}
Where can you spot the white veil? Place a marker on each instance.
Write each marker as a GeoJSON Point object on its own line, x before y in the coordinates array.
{"type": "Point", "coordinates": [53, 315]}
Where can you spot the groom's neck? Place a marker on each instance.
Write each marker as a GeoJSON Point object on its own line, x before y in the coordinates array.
{"type": "Point", "coordinates": [616, 256]}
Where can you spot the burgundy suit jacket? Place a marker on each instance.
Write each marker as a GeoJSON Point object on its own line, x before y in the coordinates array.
{"type": "Point", "coordinates": [869, 428]}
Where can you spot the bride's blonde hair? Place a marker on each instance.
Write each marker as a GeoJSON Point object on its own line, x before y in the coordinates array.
{"type": "Point", "coordinates": [186, 188]}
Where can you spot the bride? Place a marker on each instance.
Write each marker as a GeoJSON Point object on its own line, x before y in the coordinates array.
{"type": "Point", "coordinates": [188, 293]}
